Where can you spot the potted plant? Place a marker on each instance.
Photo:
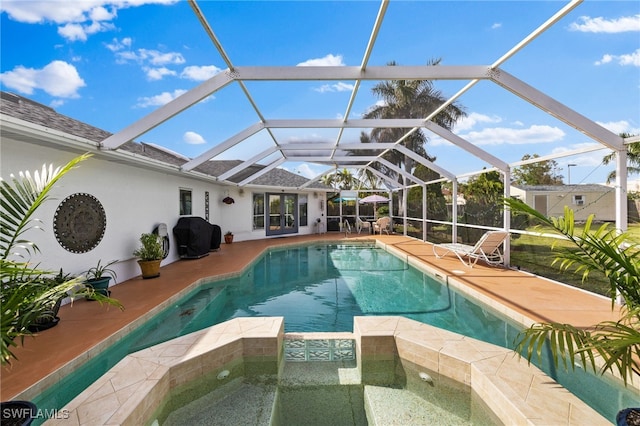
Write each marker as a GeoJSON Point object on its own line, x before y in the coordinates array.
{"type": "Point", "coordinates": [49, 317]}
{"type": "Point", "coordinates": [228, 237]}
{"type": "Point", "coordinates": [99, 276]}
{"type": "Point", "coordinates": [150, 253]}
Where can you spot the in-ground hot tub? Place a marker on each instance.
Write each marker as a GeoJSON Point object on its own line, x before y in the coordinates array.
{"type": "Point", "coordinates": [137, 389]}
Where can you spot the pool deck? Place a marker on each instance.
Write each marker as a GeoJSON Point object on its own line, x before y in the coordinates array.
{"type": "Point", "coordinates": [85, 324]}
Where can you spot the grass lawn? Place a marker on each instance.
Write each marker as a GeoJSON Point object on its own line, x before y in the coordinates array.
{"type": "Point", "coordinates": [534, 254]}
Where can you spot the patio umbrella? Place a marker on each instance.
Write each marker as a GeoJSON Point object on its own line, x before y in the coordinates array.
{"type": "Point", "coordinates": [374, 199]}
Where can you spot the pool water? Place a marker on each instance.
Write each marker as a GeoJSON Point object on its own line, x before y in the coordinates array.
{"type": "Point", "coordinates": [308, 393]}
{"type": "Point", "coordinates": [321, 287]}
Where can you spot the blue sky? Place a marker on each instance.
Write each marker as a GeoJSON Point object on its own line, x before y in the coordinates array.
{"type": "Point", "coordinates": [110, 63]}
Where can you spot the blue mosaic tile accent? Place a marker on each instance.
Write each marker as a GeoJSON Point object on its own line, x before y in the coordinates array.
{"type": "Point", "coordinates": [319, 350]}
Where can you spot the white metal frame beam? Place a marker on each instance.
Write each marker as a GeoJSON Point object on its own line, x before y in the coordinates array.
{"type": "Point", "coordinates": [168, 110]}
{"type": "Point", "coordinates": [557, 110]}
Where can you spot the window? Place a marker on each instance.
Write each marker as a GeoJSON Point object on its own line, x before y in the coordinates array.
{"type": "Point", "coordinates": [303, 210]}
{"type": "Point", "coordinates": [185, 202]}
{"type": "Point", "coordinates": [578, 200]}
{"type": "Point", "coordinates": [258, 211]}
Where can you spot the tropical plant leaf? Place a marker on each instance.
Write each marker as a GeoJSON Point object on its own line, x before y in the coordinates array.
{"type": "Point", "coordinates": [613, 253]}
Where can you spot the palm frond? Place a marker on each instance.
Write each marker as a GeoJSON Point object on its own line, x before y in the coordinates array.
{"type": "Point", "coordinates": [23, 196]}
{"type": "Point", "coordinates": [614, 254]}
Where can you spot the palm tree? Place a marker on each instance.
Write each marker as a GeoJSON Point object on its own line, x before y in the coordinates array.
{"type": "Point", "coordinates": [346, 180]}
{"type": "Point", "coordinates": [367, 177]}
{"type": "Point", "coordinates": [618, 257]}
{"type": "Point", "coordinates": [633, 159]}
{"type": "Point", "coordinates": [410, 99]}
{"type": "Point", "coordinates": [329, 179]}
{"type": "Point", "coordinates": [342, 180]}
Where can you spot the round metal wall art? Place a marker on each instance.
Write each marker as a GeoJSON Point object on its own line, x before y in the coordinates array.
{"type": "Point", "coordinates": [79, 223]}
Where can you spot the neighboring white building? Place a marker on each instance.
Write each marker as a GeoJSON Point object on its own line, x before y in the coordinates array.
{"type": "Point", "coordinates": [584, 200]}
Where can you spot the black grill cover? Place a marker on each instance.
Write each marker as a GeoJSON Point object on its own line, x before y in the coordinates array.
{"type": "Point", "coordinates": [195, 237]}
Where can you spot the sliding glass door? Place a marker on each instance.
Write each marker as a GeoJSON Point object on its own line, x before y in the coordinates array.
{"type": "Point", "coordinates": [283, 214]}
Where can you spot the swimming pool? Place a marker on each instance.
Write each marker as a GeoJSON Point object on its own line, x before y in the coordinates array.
{"type": "Point", "coordinates": [321, 288]}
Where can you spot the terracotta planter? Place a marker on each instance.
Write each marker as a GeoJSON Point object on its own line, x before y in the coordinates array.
{"type": "Point", "coordinates": [228, 239]}
{"type": "Point", "coordinates": [150, 268]}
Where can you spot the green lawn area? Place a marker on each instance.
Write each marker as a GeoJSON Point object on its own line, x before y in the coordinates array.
{"type": "Point", "coordinates": [534, 254]}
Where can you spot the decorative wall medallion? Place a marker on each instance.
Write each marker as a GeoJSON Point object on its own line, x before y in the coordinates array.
{"type": "Point", "coordinates": [79, 223]}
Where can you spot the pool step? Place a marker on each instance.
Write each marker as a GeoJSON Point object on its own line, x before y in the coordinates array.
{"type": "Point", "coordinates": [311, 373]}
{"type": "Point", "coordinates": [390, 406]}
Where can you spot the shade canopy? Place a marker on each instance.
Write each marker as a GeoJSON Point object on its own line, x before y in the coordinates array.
{"type": "Point", "coordinates": [374, 198]}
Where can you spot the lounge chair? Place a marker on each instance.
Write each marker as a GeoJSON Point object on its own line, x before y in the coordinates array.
{"type": "Point", "coordinates": [487, 249]}
{"type": "Point", "coordinates": [361, 224]}
{"type": "Point", "coordinates": [382, 224]}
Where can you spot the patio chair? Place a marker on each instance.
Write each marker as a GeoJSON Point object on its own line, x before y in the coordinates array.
{"type": "Point", "coordinates": [361, 224]}
{"type": "Point", "coordinates": [487, 249]}
{"type": "Point", "coordinates": [347, 228]}
{"type": "Point", "coordinates": [382, 224]}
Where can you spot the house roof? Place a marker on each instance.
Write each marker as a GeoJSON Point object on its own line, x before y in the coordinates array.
{"type": "Point", "coordinates": [592, 187]}
{"type": "Point", "coordinates": [33, 112]}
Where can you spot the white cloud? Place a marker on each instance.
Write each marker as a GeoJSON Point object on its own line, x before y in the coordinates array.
{"type": "Point", "coordinates": [58, 78]}
{"type": "Point", "coordinates": [158, 100]}
{"type": "Point", "coordinates": [328, 61]}
{"type": "Point", "coordinates": [154, 74]}
{"type": "Point", "coordinates": [75, 32]}
{"type": "Point", "coordinates": [101, 13]}
{"type": "Point", "coordinates": [336, 87]}
{"type": "Point", "coordinates": [77, 19]}
{"type": "Point", "coordinates": [303, 169]}
{"type": "Point", "coordinates": [153, 61]}
{"type": "Point", "coordinates": [474, 119]}
{"type": "Point", "coordinates": [505, 135]}
{"type": "Point", "coordinates": [35, 12]}
{"type": "Point", "coordinates": [601, 25]}
{"type": "Point", "coordinates": [632, 59]}
{"type": "Point", "coordinates": [621, 126]}
{"type": "Point", "coordinates": [56, 103]}
{"type": "Point", "coordinates": [306, 171]}
{"type": "Point", "coordinates": [192, 138]}
{"type": "Point", "coordinates": [117, 45]}
{"type": "Point", "coordinates": [589, 159]}
{"type": "Point", "coordinates": [496, 25]}
{"type": "Point", "coordinates": [199, 73]}
{"type": "Point", "coordinates": [155, 57]}
{"type": "Point", "coordinates": [158, 73]}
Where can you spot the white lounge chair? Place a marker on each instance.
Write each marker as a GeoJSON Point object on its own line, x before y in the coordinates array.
{"type": "Point", "coordinates": [361, 224]}
{"type": "Point", "coordinates": [487, 249]}
{"type": "Point", "coordinates": [382, 224]}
